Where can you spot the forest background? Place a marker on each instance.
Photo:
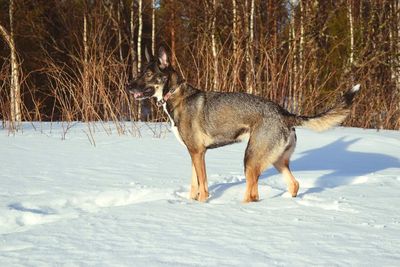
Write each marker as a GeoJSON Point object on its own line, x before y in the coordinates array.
{"type": "Point", "coordinates": [69, 60]}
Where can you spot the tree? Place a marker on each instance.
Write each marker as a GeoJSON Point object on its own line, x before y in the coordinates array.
{"type": "Point", "coordinates": [15, 88]}
{"type": "Point", "coordinates": [299, 53]}
{"type": "Point", "coordinates": [250, 47]}
{"type": "Point", "coordinates": [153, 27]}
{"type": "Point", "coordinates": [86, 85]}
{"type": "Point", "coordinates": [132, 48]}
{"type": "Point", "coordinates": [214, 44]}
{"type": "Point", "coordinates": [235, 44]}
{"type": "Point", "coordinates": [140, 33]}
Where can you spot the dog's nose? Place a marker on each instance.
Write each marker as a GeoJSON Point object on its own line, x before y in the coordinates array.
{"type": "Point", "coordinates": [128, 86]}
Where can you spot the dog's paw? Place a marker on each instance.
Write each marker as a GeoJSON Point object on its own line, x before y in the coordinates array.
{"type": "Point", "coordinates": [294, 188]}
{"type": "Point", "coordinates": [203, 196]}
{"type": "Point", "coordinates": [194, 193]}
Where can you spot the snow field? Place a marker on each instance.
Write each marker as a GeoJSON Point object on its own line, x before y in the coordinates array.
{"type": "Point", "coordinates": [124, 202]}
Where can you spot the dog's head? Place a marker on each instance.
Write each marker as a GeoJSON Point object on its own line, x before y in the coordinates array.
{"type": "Point", "coordinates": [156, 79]}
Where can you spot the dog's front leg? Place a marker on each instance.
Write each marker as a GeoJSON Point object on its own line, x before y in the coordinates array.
{"type": "Point", "coordinates": [198, 159]}
{"type": "Point", "coordinates": [194, 188]}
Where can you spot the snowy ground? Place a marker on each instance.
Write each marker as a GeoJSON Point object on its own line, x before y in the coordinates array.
{"type": "Point", "coordinates": [124, 202]}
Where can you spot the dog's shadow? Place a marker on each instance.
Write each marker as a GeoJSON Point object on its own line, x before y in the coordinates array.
{"type": "Point", "coordinates": [341, 165]}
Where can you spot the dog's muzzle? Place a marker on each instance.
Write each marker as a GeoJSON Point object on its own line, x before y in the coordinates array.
{"type": "Point", "coordinates": [141, 93]}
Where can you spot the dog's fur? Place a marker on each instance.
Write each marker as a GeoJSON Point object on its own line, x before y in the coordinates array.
{"type": "Point", "coordinates": [203, 120]}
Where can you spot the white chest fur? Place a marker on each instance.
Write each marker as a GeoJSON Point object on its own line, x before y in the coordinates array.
{"type": "Point", "coordinates": [174, 129]}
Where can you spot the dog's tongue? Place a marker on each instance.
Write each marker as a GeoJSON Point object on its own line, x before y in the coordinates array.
{"type": "Point", "coordinates": [136, 95]}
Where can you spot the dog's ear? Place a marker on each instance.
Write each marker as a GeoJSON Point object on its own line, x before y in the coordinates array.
{"type": "Point", "coordinates": [163, 57]}
{"type": "Point", "coordinates": [146, 53]}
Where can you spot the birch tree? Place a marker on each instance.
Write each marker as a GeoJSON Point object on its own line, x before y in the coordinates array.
{"type": "Point", "coordinates": [234, 44]}
{"type": "Point", "coordinates": [301, 53]}
{"type": "Point", "coordinates": [172, 32]}
{"type": "Point", "coordinates": [234, 27]}
{"type": "Point", "coordinates": [246, 48]}
{"type": "Point", "coordinates": [397, 17]}
{"type": "Point", "coordinates": [395, 44]}
{"type": "Point", "coordinates": [139, 49]}
{"type": "Point", "coordinates": [120, 6]}
{"type": "Point", "coordinates": [350, 14]}
{"type": "Point", "coordinates": [214, 45]}
{"type": "Point", "coordinates": [140, 32]}
{"type": "Point", "coordinates": [249, 48]}
{"type": "Point", "coordinates": [132, 40]}
{"type": "Point", "coordinates": [86, 92]}
{"type": "Point", "coordinates": [293, 43]}
{"type": "Point", "coordinates": [153, 27]}
{"type": "Point", "coordinates": [15, 88]}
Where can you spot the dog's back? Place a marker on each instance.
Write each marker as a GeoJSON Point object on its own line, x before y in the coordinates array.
{"type": "Point", "coordinates": [227, 117]}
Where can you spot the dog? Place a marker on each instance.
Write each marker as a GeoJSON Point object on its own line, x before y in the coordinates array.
{"type": "Point", "coordinates": [203, 120]}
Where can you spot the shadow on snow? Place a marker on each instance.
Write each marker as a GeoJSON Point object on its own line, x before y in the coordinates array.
{"type": "Point", "coordinates": [40, 211]}
{"type": "Point", "coordinates": [343, 166]}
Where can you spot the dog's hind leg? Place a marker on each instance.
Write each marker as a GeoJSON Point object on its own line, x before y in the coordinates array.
{"type": "Point", "coordinates": [198, 159]}
{"type": "Point", "coordinates": [264, 148]}
{"type": "Point", "coordinates": [255, 161]}
{"type": "Point", "coordinates": [293, 185]}
{"type": "Point", "coordinates": [282, 165]}
{"type": "Point", "coordinates": [252, 172]}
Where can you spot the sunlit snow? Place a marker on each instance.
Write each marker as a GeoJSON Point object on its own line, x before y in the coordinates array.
{"type": "Point", "coordinates": [124, 202]}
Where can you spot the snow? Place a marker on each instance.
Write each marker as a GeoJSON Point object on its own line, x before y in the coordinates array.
{"type": "Point", "coordinates": [124, 202]}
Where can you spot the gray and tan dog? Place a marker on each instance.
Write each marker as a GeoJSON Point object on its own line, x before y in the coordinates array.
{"type": "Point", "coordinates": [203, 120]}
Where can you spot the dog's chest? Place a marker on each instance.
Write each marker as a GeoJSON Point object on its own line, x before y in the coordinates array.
{"type": "Point", "coordinates": [174, 129]}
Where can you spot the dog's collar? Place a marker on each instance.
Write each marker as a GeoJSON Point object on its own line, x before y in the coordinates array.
{"type": "Point", "coordinates": [163, 100]}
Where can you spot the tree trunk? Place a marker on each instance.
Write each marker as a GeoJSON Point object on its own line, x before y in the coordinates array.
{"type": "Point", "coordinates": [250, 52]}
{"type": "Point", "coordinates": [398, 45]}
{"type": "Point", "coordinates": [120, 5]}
{"type": "Point", "coordinates": [292, 93]}
{"type": "Point", "coordinates": [15, 88]}
{"type": "Point", "coordinates": [396, 53]}
{"type": "Point", "coordinates": [139, 51]}
{"type": "Point", "coordinates": [247, 45]}
{"type": "Point", "coordinates": [153, 27]}
{"type": "Point", "coordinates": [301, 55]}
{"type": "Point", "coordinates": [132, 41]}
{"type": "Point", "coordinates": [139, 41]}
{"type": "Point", "coordinates": [214, 45]}
{"type": "Point", "coordinates": [172, 28]}
{"type": "Point", "coordinates": [234, 45]}
{"type": "Point", "coordinates": [234, 27]}
{"type": "Point", "coordinates": [350, 14]}
{"type": "Point", "coordinates": [86, 94]}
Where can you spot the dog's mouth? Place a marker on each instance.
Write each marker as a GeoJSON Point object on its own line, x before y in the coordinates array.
{"type": "Point", "coordinates": [146, 93]}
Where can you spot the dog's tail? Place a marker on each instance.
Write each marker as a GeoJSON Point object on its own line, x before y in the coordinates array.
{"type": "Point", "coordinates": [331, 117]}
